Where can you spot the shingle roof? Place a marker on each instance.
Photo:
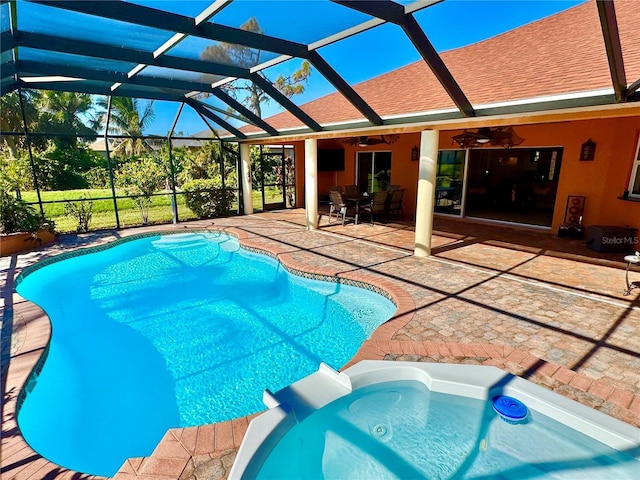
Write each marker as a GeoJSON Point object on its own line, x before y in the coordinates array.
{"type": "Point", "coordinates": [560, 54]}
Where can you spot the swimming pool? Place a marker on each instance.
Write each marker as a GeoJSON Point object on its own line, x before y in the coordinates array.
{"type": "Point", "coordinates": [175, 331]}
{"type": "Point", "coordinates": [382, 419]}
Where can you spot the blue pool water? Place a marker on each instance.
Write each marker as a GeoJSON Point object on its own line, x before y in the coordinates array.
{"type": "Point", "coordinates": [175, 331]}
{"type": "Point", "coordinates": [400, 429]}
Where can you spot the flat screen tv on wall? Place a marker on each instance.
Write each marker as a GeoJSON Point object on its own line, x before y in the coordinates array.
{"type": "Point", "coordinates": [330, 159]}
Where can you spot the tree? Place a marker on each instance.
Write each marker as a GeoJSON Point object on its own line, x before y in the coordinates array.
{"type": "Point", "coordinates": [15, 174]}
{"type": "Point", "coordinates": [64, 167]}
{"type": "Point", "coordinates": [204, 163]}
{"type": "Point", "coordinates": [62, 112]}
{"type": "Point", "coordinates": [59, 161]}
{"type": "Point", "coordinates": [128, 117]}
{"type": "Point", "coordinates": [11, 118]}
{"type": "Point", "coordinates": [245, 91]}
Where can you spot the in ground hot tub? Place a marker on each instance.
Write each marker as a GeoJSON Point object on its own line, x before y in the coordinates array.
{"type": "Point", "coordinates": [382, 419]}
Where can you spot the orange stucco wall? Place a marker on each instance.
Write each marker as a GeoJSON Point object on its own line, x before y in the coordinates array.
{"type": "Point", "coordinates": [602, 181]}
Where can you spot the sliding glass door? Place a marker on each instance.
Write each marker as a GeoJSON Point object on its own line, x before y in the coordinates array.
{"type": "Point", "coordinates": [517, 185]}
{"type": "Point", "coordinates": [450, 181]}
{"type": "Point", "coordinates": [373, 171]}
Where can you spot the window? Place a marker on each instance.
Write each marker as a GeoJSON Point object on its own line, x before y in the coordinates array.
{"type": "Point", "coordinates": [634, 183]}
{"type": "Point", "coordinates": [449, 181]}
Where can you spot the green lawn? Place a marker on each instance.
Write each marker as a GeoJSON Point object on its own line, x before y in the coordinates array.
{"type": "Point", "coordinates": [103, 215]}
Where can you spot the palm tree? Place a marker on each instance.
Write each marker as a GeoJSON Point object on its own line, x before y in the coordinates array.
{"type": "Point", "coordinates": [128, 117]}
{"type": "Point", "coordinates": [11, 118]}
{"type": "Point", "coordinates": [62, 112]}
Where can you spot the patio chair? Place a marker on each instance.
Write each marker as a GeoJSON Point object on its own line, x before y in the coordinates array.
{"type": "Point", "coordinates": [395, 202]}
{"type": "Point", "coordinates": [338, 205]}
{"type": "Point", "coordinates": [352, 190]}
{"type": "Point", "coordinates": [378, 205]}
{"type": "Point", "coordinates": [391, 188]}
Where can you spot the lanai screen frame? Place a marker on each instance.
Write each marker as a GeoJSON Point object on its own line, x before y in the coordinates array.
{"type": "Point", "coordinates": [109, 82]}
{"type": "Point", "coordinates": [224, 147]}
{"type": "Point", "coordinates": [19, 73]}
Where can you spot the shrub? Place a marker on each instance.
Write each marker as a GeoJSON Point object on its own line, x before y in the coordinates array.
{"type": "Point", "coordinates": [206, 198]}
{"type": "Point", "coordinates": [83, 211]}
{"type": "Point", "coordinates": [18, 216]}
{"type": "Point", "coordinates": [140, 178]}
{"type": "Point", "coordinates": [97, 177]}
{"type": "Point", "coordinates": [15, 174]}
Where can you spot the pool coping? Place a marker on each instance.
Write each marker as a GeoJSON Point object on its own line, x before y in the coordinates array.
{"type": "Point", "coordinates": [225, 435]}
{"type": "Point", "coordinates": [180, 446]}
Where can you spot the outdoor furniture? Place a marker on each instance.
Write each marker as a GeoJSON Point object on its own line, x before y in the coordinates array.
{"type": "Point", "coordinates": [352, 190]}
{"type": "Point", "coordinates": [355, 201]}
{"type": "Point", "coordinates": [442, 196]}
{"type": "Point", "coordinates": [339, 205]}
{"type": "Point", "coordinates": [377, 206]}
{"type": "Point", "coordinates": [395, 202]}
{"type": "Point", "coordinates": [631, 260]}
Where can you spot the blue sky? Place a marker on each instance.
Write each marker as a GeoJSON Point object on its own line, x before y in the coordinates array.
{"type": "Point", "coordinates": [448, 25]}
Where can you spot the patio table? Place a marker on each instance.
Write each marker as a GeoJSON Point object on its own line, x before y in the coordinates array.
{"type": "Point", "coordinates": [356, 200]}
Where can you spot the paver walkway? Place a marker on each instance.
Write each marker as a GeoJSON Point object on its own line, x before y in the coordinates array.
{"type": "Point", "coordinates": [544, 308]}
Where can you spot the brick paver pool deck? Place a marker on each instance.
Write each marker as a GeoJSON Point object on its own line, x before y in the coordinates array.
{"type": "Point", "coordinates": [543, 308]}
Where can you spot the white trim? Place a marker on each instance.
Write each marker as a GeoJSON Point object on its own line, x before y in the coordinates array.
{"type": "Point", "coordinates": [333, 124]}
{"type": "Point", "coordinates": [223, 81]}
{"type": "Point", "coordinates": [137, 69]}
{"type": "Point", "coordinates": [509, 103]}
{"type": "Point", "coordinates": [420, 114]}
{"type": "Point", "coordinates": [368, 25]}
{"type": "Point", "coordinates": [548, 98]}
{"type": "Point", "coordinates": [172, 42]}
{"type": "Point", "coordinates": [51, 78]}
{"type": "Point", "coordinates": [270, 63]}
{"type": "Point", "coordinates": [210, 11]}
{"type": "Point", "coordinates": [419, 5]}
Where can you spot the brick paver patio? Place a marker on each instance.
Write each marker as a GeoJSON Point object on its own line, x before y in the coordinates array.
{"type": "Point", "coordinates": [544, 308]}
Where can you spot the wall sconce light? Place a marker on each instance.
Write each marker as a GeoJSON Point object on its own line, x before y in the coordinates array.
{"type": "Point", "coordinates": [415, 153]}
{"type": "Point", "coordinates": [588, 150]}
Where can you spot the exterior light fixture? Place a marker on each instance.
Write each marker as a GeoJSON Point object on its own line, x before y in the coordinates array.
{"type": "Point", "coordinates": [588, 150]}
{"type": "Point", "coordinates": [415, 153]}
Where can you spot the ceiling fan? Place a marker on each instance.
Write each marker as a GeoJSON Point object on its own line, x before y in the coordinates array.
{"type": "Point", "coordinates": [365, 141]}
{"type": "Point", "coordinates": [502, 136]}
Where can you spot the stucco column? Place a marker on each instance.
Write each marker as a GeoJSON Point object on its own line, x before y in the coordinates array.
{"type": "Point", "coordinates": [311, 182]}
{"type": "Point", "coordinates": [247, 198]}
{"type": "Point", "coordinates": [426, 192]}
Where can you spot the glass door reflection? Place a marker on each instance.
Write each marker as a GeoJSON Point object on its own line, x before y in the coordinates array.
{"type": "Point", "coordinates": [449, 181]}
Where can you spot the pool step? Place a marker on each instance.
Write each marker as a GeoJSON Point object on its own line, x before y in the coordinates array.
{"type": "Point", "coordinates": [310, 393]}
